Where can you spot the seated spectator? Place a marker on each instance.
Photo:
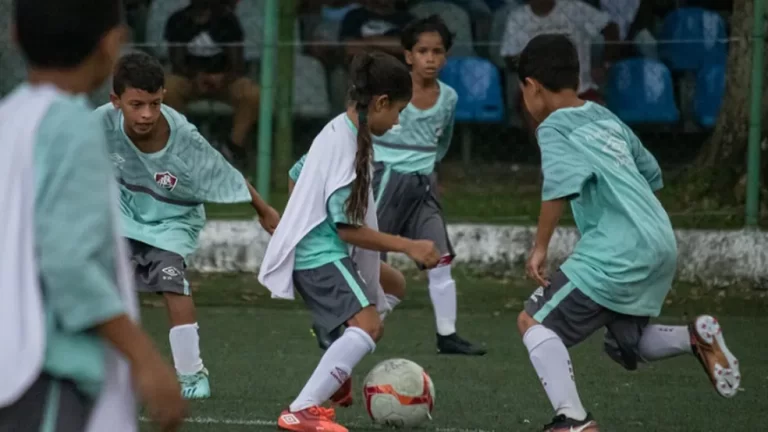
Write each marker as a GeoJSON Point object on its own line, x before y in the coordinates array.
{"type": "Point", "coordinates": [376, 25]}
{"type": "Point", "coordinates": [321, 21]}
{"type": "Point", "coordinates": [634, 18]}
{"type": "Point", "coordinates": [207, 61]}
{"type": "Point", "coordinates": [580, 21]}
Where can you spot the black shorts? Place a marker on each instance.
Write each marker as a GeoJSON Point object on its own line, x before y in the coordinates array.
{"type": "Point", "coordinates": [49, 405]}
{"type": "Point", "coordinates": [406, 205]}
{"type": "Point", "coordinates": [573, 316]}
{"type": "Point", "coordinates": [334, 292]}
{"type": "Point", "coordinates": [158, 270]}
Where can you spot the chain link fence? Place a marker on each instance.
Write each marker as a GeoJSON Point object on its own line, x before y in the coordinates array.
{"type": "Point", "coordinates": [647, 68]}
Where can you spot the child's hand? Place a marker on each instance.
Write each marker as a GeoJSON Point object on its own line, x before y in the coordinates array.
{"type": "Point", "coordinates": [424, 252]}
{"type": "Point", "coordinates": [160, 392]}
{"type": "Point", "coordinates": [536, 266]}
{"type": "Point", "coordinates": [269, 219]}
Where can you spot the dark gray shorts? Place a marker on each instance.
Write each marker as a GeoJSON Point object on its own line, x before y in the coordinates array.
{"type": "Point", "coordinates": [157, 270]}
{"type": "Point", "coordinates": [333, 292]}
{"type": "Point", "coordinates": [50, 405]}
{"type": "Point", "coordinates": [567, 311]}
{"type": "Point", "coordinates": [406, 205]}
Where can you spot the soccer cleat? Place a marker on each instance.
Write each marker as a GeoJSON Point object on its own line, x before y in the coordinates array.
{"type": "Point", "coordinates": [195, 386]}
{"type": "Point", "coordinates": [562, 423]}
{"type": "Point", "coordinates": [719, 363]}
{"type": "Point", "coordinates": [343, 396]}
{"type": "Point", "coordinates": [325, 338]}
{"type": "Point", "coordinates": [453, 344]}
{"type": "Point", "coordinates": [312, 419]}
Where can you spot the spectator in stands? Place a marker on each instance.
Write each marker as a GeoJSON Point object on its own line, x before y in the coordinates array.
{"type": "Point", "coordinates": [207, 61]}
{"type": "Point", "coordinates": [634, 18]}
{"type": "Point", "coordinates": [376, 25]}
{"type": "Point", "coordinates": [322, 24]}
{"type": "Point", "coordinates": [580, 21]}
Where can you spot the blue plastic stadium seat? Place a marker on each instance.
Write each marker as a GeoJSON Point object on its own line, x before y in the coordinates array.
{"type": "Point", "coordinates": [478, 85]}
{"type": "Point", "coordinates": [710, 86]}
{"type": "Point", "coordinates": [692, 38]}
{"type": "Point", "coordinates": [640, 91]}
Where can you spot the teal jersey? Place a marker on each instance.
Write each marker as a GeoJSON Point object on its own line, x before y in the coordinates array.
{"type": "Point", "coordinates": [295, 170]}
{"type": "Point", "coordinates": [626, 257]}
{"type": "Point", "coordinates": [162, 193]}
{"type": "Point", "coordinates": [74, 236]}
{"type": "Point", "coordinates": [322, 244]}
{"type": "Point", "coordinates": [421, 139]}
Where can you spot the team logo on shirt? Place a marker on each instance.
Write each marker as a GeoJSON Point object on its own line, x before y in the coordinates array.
{"type": "Point", "coordinates": [117, 159]}
{"type": "Point", "coordinates": [166, 180]}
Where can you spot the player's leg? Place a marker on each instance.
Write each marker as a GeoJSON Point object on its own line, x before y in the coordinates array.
{"type": "Point", "coordinates": [49, 404]}
{"type": "Point", "coordinates": [392, 282]}
{"type": "Point", "coordinates": [555, 318]}
{"type": "Point", "coordinates": [244, 95]}
{"type": "Point", "coordinates": [388, 189]}
{"type": "Point", "coordinates": [631, 340]}
{"type": "Point", "coordinates": [336, 296]}
{"type": "Point", "coordinates": [162, 272]}
{"type": "Point", "coordinates": [427, 223]}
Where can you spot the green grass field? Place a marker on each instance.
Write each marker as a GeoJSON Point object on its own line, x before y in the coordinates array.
{"type": "Point", "coordinates": [260, 352]}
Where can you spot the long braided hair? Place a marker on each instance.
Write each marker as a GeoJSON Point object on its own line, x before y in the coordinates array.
{"type": "Point", "coordinates": [372, 74]}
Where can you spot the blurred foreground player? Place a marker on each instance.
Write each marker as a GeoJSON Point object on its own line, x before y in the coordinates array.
{"type": "Point", "coordinates": [69, 336]}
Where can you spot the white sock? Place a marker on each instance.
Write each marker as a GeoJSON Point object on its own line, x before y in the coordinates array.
{"type": "Point", "coordinates": [392, 302]}
{"type": "Point", "coordinates": [442, 291]}
{"type": "Point", "coordinates": [553, 365]}
{"type": "Point", "coordinates": [660, 342]}
{"type": "Point", "coordinates": [185, 347]}
{"type": "Point", "coordinates": [334, 368]}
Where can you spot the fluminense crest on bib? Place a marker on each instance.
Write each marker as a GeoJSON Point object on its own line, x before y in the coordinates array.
{"type": "Point", "coordinates": [166, 180]}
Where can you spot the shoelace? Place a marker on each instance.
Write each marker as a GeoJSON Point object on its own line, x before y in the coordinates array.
{"type": "Point", "coordinates": [326, 413]}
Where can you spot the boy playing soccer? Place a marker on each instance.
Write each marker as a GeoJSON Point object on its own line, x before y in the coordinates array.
{"type": "Point", "coordinates": [68, 309]}
{"type": "Point", "coordinates": [404, 161]}
{"type": "Point", "coordinates": [622, 267]}
{"type": "Point", "coordinates": [166, 171]}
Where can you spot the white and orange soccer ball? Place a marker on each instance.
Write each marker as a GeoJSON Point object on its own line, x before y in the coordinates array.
{"type": "Point", "coordinates": [399, 393]}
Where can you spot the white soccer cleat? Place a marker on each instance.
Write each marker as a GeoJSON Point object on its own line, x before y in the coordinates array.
{"type": "Point", "coordinates": [719, 363]}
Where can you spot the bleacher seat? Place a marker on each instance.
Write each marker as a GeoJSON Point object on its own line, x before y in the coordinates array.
{"type": "Point", "coordinates": [692, 38]}
{"type": "Point", "coordinates": [640, 91]}
{"type": "Point", "coordinates": [457, 20]}
{"type": "Point", "coordinates": [478, 85]}
{"type": "Point", "coordinates": [310, 89]}
{"type": "Point", "coordinates": [710, 87]}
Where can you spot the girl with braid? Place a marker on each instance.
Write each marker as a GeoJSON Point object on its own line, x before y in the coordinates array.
{"type": "Point", "coordinates": [328, 245]}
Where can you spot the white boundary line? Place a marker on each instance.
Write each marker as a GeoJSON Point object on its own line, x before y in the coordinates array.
{"type": "Point", "coordinates": [272, 423]}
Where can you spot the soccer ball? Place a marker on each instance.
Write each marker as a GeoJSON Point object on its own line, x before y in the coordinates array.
{"type": "Point", "coordinates": [399, 393]}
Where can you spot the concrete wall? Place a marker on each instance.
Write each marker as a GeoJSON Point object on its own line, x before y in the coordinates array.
{"type": "Point", "coordinates": [715, 258]}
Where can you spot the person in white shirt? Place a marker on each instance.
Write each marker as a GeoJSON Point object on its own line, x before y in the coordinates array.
{"type": "Point", "coordinates": [580, 21]}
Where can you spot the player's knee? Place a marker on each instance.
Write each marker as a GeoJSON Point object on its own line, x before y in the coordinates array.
{"type": "Point", "coordinates": [368, 321]}
{"type": "Point", "coordinates": [524, 322]}
{"type": "Point", "coordinates": [397, 288]}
